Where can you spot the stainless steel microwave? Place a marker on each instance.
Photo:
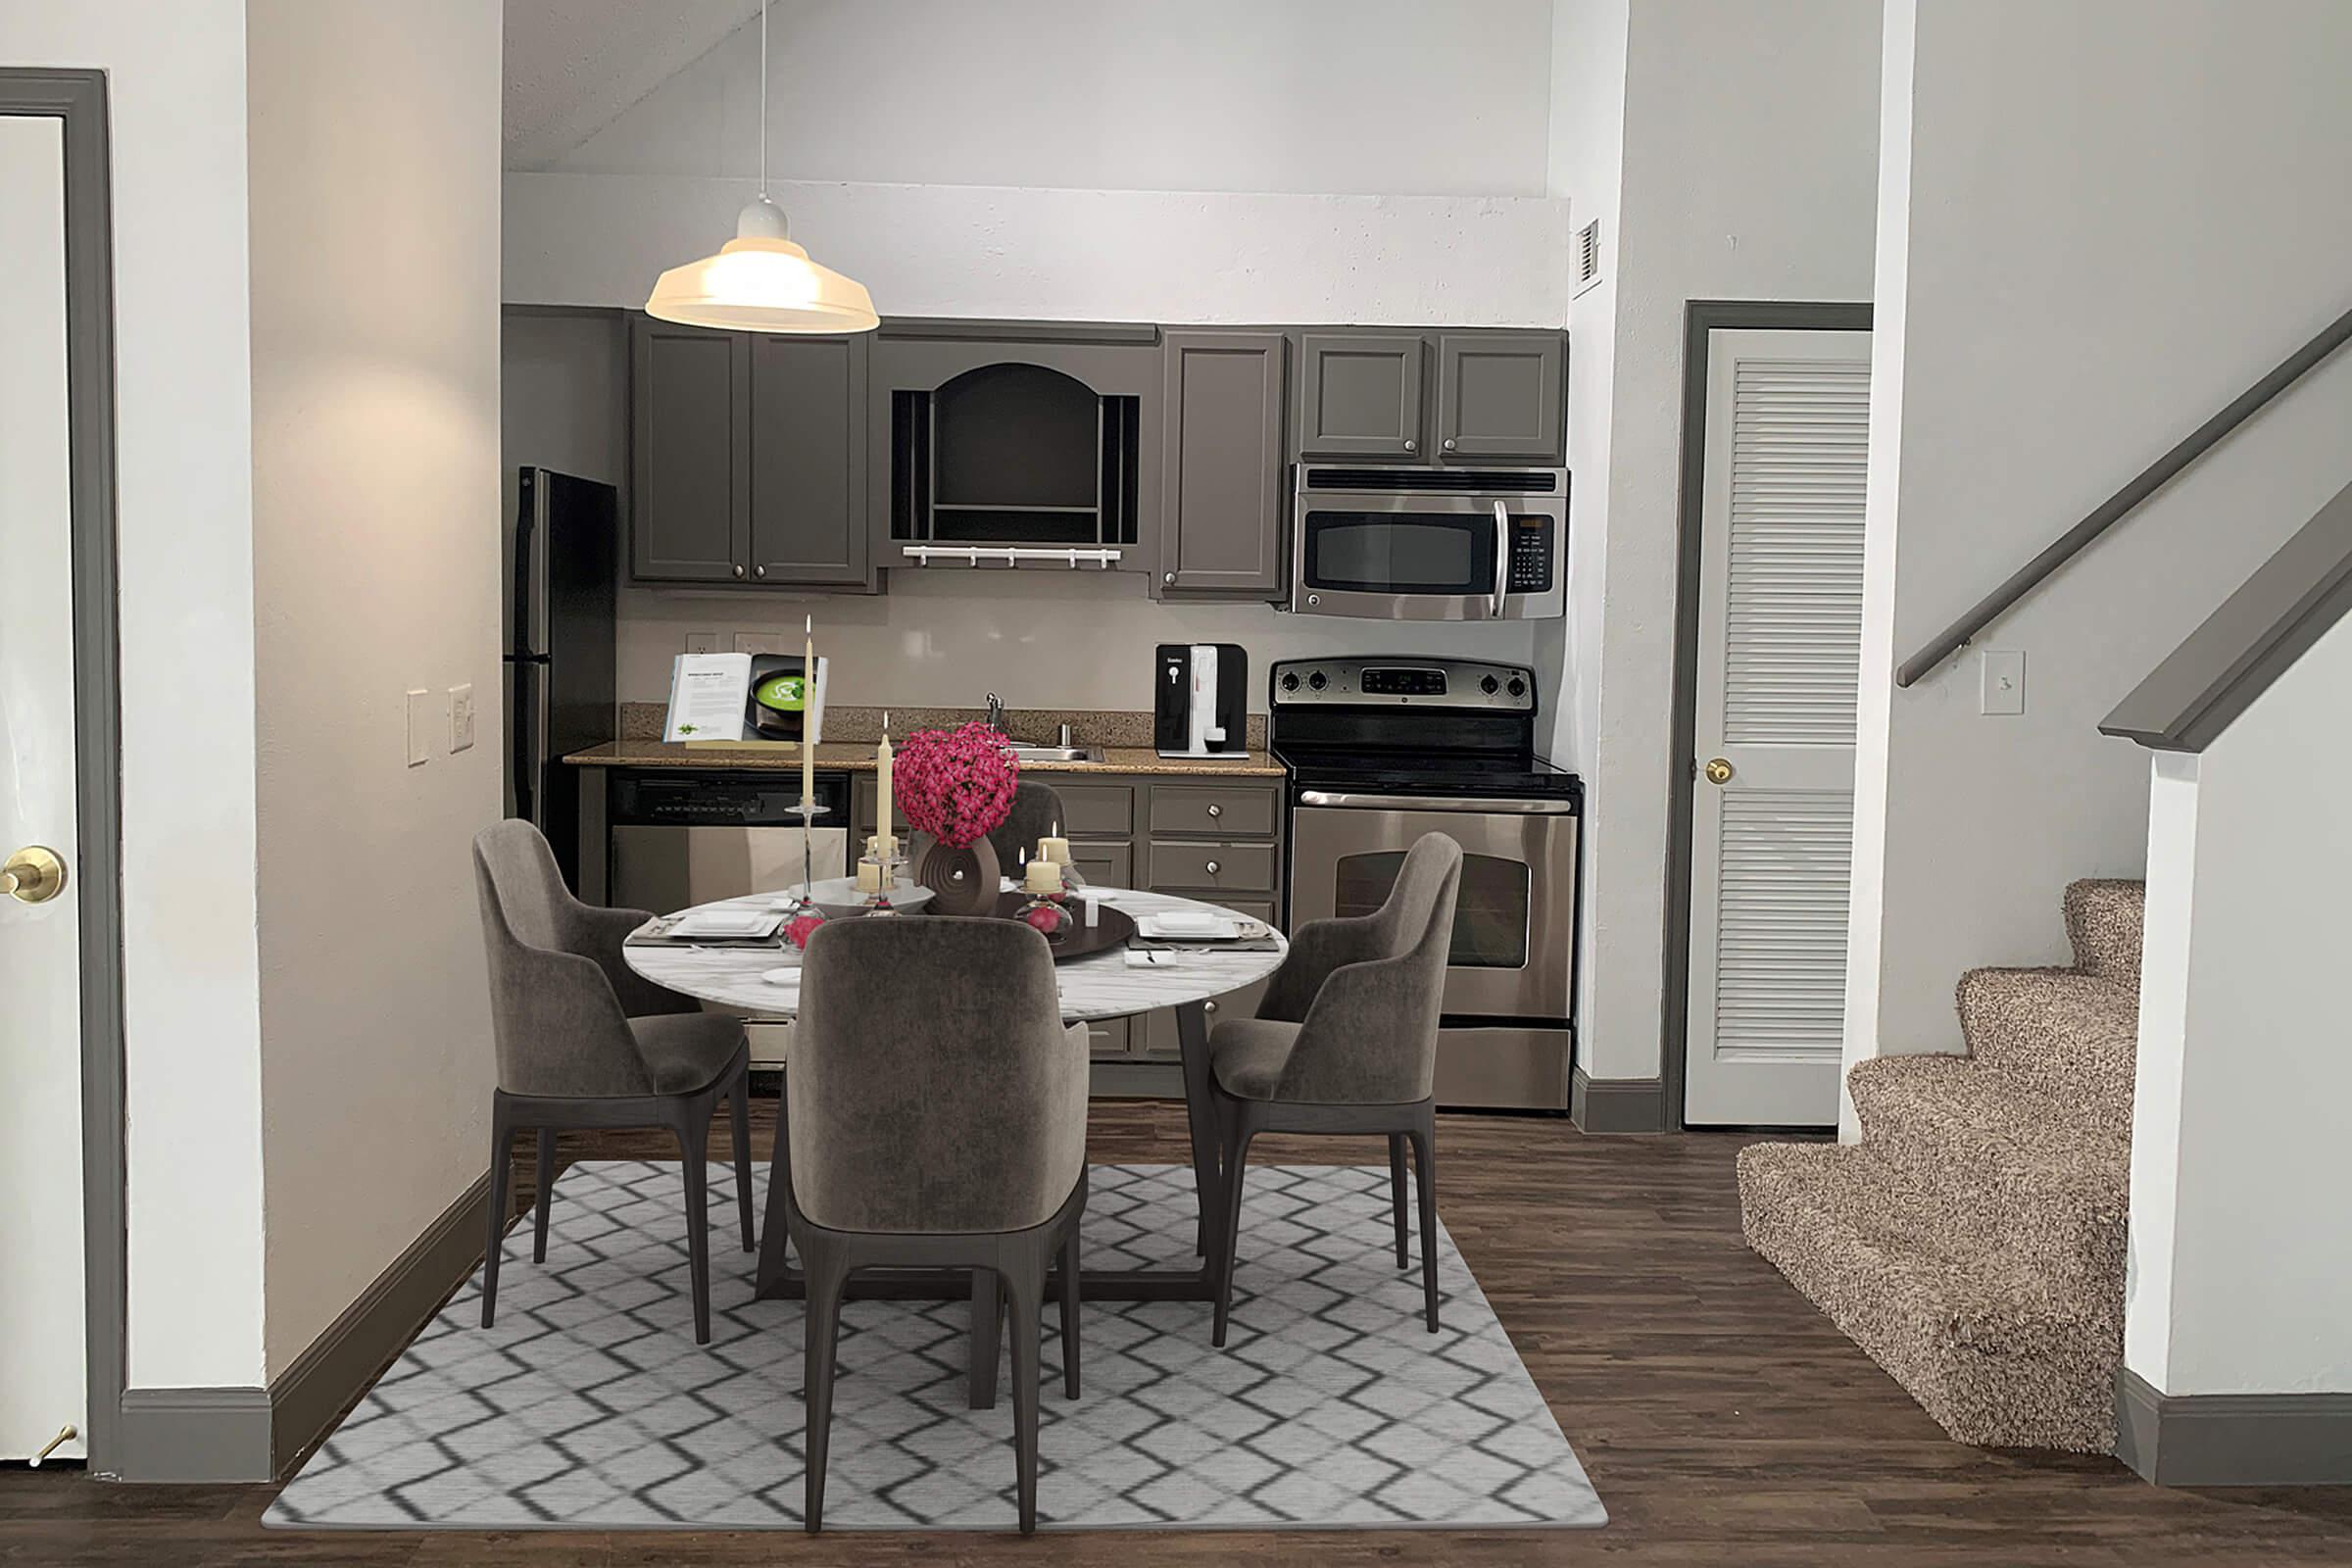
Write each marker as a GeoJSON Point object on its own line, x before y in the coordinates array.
{"type": "Point", "coordinates": [1430, 544]}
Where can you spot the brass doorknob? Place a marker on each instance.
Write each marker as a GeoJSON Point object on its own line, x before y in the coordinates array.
{"type": "Point", "coordinates": [34, 875]}
{"type": "Point", "coordinates": [1718, 771]}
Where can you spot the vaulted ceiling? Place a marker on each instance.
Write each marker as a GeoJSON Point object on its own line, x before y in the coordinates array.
{"type": "Point", "coordinates": [575, 64]}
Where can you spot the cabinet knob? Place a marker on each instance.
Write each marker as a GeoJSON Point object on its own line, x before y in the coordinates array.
{"type": "Point", "coordinates": [1450, 443]}
{"type": "Point", "coordinates": [758, 571]}
{"type": "Point", "coordinates": [1411, 445]}
{"type": "Point", "coordinates": [1211, 868]}
{"type": "Point", "coordinates": [1216, 811]}
{"type": "Point", "coordinates": [739, 571]}
{"type": "Point", "coordinates": [1169, 580]}
{"type": "Point", "coordinates": [1209, 1006]}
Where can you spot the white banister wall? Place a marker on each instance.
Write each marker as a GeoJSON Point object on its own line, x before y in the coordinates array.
{"type": "Point", "coordinates": [2240, 1275]}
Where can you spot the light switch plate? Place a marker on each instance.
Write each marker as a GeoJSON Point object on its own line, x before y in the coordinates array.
{"type": "Point", "coordinates": [460, 716]}
{"type": "Point", "coordinates": [2004, 690]}
{"type": "Point", "coordinates": [421, 726]}
{"type": "Point", "coordinates": [702, 641]}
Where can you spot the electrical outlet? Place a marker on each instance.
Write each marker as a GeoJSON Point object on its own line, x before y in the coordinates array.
{"type": "Point", "coordinates": [758, 642]}
{"type": "Point", "coordinates": [460, 718]}
{"type": "Point", "coordinates": [421, 728]}
{"type": "Point", "coordinates": [702, 641]}
{"type": "Point", "coordinates": [2004, 691]}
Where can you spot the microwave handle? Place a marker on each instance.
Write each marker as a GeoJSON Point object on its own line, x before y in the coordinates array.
{"type": "Point", "coordinates": [1503, 556]}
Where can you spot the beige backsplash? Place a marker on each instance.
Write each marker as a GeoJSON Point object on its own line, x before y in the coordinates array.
{"type": "Point", "coordinates": [1087, 726]}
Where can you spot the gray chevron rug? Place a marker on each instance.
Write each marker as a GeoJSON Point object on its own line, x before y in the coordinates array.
{"type": "Point", "coordinates": [590, 1406]}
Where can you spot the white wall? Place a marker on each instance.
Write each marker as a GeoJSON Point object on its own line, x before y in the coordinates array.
{"type": "Point", "coordinates": [2241, 1145]}
{"type": "Point", "coordinates": [375, 460]}
{"type": "Point", "coordinates": [176, 110]}
{"type": "Point", "coordinates": [1749, 171]}
{"type": "Point", "coordinates": [2124, 214]}
{"type": "Point", "coordinates": [1378, 97]}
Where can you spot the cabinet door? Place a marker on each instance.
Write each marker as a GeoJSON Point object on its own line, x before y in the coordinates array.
{"type": "Point", "coordinates": [807, 461]}
{"type": "Point", "coordinates": [690, 478]}
{"type": "Point", "coordinates": [1221, 502]}
{"type": "Point", "coordinates": [1104, 866]}
{"type": "Point", "coordinates": [1499, 395]}
{"type": "Point", "coordinates": [1359, 395]}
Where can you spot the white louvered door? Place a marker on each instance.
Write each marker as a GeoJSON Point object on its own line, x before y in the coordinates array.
{"type": "Point", "coordinates": [1779, 640]}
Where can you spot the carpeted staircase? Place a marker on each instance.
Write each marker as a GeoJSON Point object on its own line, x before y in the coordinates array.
{"type": "Point", "coordinates": [1973, 1242]}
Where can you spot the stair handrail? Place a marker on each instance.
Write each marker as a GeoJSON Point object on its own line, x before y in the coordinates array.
{"type": "Point", "coordinates": [2150, 479]}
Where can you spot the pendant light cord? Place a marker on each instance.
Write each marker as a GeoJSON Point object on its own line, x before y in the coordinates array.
{"type": "Point", "coordinates": [763, 100]}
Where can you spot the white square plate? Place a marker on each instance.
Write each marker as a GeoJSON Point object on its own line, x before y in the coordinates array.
{"type": "Point", "coordinates": [1186, 926]}
{"type": "Point", "coordinates": [751, 923]}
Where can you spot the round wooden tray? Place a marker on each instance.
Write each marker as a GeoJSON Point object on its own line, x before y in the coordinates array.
{"type": "Point", "coordinates": [1116, 926]}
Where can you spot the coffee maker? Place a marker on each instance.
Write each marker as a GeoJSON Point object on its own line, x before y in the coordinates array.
{"type": "Point", "coordinates": [1199, 696]}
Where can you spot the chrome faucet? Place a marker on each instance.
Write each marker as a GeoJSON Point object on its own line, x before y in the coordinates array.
{"type": "Point", "coordinates": [996, 712]}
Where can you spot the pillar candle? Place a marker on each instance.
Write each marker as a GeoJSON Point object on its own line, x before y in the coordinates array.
{"type": "Point", "coordinates": [1054, 846]}
{"type": "Point", "coordinates": [1044, 876]}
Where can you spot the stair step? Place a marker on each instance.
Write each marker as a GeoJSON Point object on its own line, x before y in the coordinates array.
{"type": "Point", "coordinates": [1971, 1133]}
{"type": "Point", "coordinates": [2072, 1036]}
{"type": "Point", "coordinates": [1998, 1348]}
{"type": "Point", "coordinates": [2104, 919]}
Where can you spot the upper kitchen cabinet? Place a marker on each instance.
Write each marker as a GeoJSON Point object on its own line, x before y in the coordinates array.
{"type": "Point", "coordinates": [749, 458]}
{"type": "Point", "coordinates": [1002, 443]}
{"type": "Point", "coordinates": [1222, 508]}
{"type": "Point", "coordinates": [689, 489]}
{"type": "Point", "coordinates": [1359, 395]}
{"type": "Point", "coordinates": [1499, 395]}
{"type": "Point", "coordinates": [808, 461]}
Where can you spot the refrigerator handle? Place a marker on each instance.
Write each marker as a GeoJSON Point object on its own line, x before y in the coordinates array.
{"type": "Point", "coordinates": [520, 765]}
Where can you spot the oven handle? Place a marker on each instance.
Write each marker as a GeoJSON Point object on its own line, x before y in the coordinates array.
{"type": "Point", "coordinates": [1503, 556]}
{"type": "Point", "coordinates": [1436, 803]}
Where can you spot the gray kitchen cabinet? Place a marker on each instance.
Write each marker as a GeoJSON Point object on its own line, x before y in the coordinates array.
{"type": "Point", "coordinates": [1222, 508]}
{"type": "Point", "coordinates": [808, 462]}
{"type": "Point", "coordinates": [1499, 395]}
{"type": "Point", "coordinates": [1359, 395]}
{"type": "Point", "coordinates": [689, 475]}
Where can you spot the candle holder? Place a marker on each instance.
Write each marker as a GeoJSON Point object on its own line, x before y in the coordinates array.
{"type": "Point", "coordinates": [804, 917]}
{"type": "Point", "coordinates": [886, 877]}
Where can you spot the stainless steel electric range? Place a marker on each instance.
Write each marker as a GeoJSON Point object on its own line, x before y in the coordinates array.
{"type": "Point", "coordinates": [1381, 751]}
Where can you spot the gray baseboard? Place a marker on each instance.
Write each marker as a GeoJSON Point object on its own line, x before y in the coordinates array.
{"type": "Point", "coordinates": [321, 1383]}
{"type": "Point", "coordinates": [193, 1435]}
{"type": "Point", "coordinates": [1616, 1105]}
{"type": "Point", "coordinates": [2233, 1440]}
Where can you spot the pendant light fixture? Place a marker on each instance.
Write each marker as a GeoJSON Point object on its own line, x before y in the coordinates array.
{"type": "Point", "coordinates": [761, 282]}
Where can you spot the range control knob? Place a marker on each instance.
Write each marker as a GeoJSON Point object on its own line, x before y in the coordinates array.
{"type": "Point", "coordinates": [1489, 685]}
{"type": "Point", "coordinates": [1517, 687]}
{"type": "Point", "coordinates": [1290, 680]}
{"type": "Point", "coordinates": [1318, 682]}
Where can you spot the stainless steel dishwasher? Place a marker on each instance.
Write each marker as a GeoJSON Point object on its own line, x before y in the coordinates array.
{"type": "Point", "coordinates": [683, 838]}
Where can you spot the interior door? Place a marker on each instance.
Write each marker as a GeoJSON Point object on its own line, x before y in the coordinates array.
{"type": "Point", "coordinates": [44, 1372]}
{"type": "Point", "coordinates": [1778, 662]}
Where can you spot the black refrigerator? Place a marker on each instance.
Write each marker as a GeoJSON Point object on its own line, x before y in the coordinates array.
{"type": "Point", "coordinates": [559, 660]}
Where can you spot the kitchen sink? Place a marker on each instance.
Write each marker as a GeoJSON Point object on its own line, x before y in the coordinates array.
{"type": "Point", "coordinates": [1056, 754]}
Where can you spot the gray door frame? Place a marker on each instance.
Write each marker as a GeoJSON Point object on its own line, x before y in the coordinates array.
{"type": "Point", "coordinates": [79, 98]}
{"type": "Point", "coordinates": [1701, 318]}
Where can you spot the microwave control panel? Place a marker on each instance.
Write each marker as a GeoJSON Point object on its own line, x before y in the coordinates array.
{"type": "Point", "coordinates": [1530, 555]}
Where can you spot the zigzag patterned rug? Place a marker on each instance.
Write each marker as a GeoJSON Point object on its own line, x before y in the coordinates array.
{"type": "Point", "coordinates": [590, 1406]}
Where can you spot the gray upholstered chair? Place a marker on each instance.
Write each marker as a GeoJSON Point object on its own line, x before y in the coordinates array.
{"type": "Point", "coordinates": [935, 1116]}
{"type": "Point", "coordinates": [1346, 1041]}
{"type": "Point", "coordinates": [1035, 812]}
{"type": "Point", "coordinates": [585, 1041]}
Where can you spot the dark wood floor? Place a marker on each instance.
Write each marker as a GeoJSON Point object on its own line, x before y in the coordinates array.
{"type": "Point", "coordinates": [1721, 1419]}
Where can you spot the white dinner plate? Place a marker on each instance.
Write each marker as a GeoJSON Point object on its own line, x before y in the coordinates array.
{"type": "Point", "coordinates": [1188, 926]}
{"type": "Point", "coordinates": [754, 923]}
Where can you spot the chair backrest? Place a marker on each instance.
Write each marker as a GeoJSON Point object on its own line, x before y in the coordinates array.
{"type": "Point", "coordinates": [1036, 812]}
{"type": "Point", "coordinates": [559, 1026]}
{"type": "Point", "coordinates": [933, 1087]}
{"type": "Point", "coordinates": [1374, 1040]}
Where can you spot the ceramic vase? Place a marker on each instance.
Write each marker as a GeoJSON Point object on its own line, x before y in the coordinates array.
{"type": "Point", "coordinates": [962, 881]}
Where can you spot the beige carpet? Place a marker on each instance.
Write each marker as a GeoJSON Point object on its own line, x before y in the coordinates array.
{"type": "Point", "coordinates": [1973, 1242]}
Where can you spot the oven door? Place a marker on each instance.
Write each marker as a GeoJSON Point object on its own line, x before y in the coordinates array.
{"type": "Point", "coordinates": [1515, 918]}
{"type": "Point", "coordinates": [1421, 557]}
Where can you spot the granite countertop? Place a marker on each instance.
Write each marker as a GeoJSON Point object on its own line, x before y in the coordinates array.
{"type": "Point", "coordinates": [857, 756]}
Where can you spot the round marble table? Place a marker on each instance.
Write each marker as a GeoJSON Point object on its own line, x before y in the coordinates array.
{"type": "Point", "coordinates": [1099, 985]}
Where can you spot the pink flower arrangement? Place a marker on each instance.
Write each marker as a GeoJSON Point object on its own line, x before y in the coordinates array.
{"type": "Point", "coordinates": [955, 784]}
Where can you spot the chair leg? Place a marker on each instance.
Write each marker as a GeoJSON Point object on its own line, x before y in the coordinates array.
{"type": "Point", "coordinates": [987, 1317]}
{"type": "Point", "coordinates": [1069, 1311]}
{"type": "Point", "coordinates": [1425, 1162]}
{"type": "Point", "coordinates": [545, 1192]}
{"type": "Point", "coordinates": [1025, 1284]}
{"type": "Point", "coordinates": [502, 1145]}
{"type": "Point", "coordinates": [825, 1271]}
{"type": "Point", "coordinates": [1396, 1192]}
{"type": "Point", "coordinates": [1238, 1132]}
{"type": "Point", "coordinates": [739, 1112]}
{"type": "Point", "coordinates": [694, 1140]}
